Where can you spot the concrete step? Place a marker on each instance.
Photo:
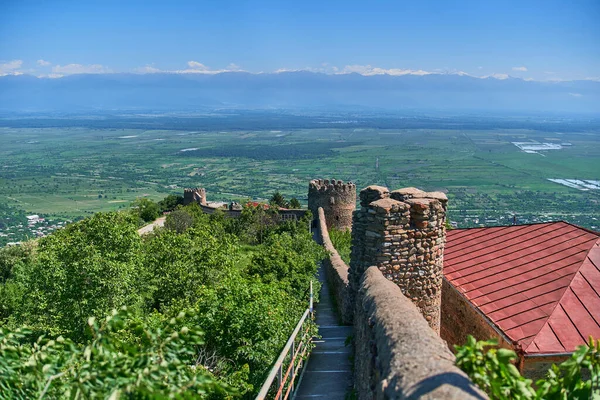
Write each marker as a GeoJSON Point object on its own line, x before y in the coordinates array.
{"type": "Point", "coordinates": [329, 385]}
{"type": "Point", "coordinates": [332, 344]}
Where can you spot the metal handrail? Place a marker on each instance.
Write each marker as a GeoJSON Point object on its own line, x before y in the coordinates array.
{"type": "Point", "coordinates": [277, 370]}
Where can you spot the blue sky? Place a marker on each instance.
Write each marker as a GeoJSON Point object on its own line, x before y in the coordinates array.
{"type": "Point", "coordinates": [541, 40]}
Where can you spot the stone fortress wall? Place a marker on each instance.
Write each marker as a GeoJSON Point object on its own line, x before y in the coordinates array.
{"type": "Point", "coordinates": [338, 200]}
{"type": "Point", "coordinates": [402, 233]}
{"type": "Point", "coordinates": [194, 195]}
{"type": "Point", "coordinates": [232, 210]}
{"type": "Point", "coordinates": [391, 293]}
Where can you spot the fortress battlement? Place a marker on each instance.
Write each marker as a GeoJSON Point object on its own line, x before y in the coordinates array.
{"type": "Point", "coordinates": [333, 185]}
{"type": "Point", "coordinates": [191, 195]}
{"type": "Point", "coordinates": [336, 197]}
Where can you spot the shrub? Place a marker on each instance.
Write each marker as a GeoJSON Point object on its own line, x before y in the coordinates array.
{"type": "Point", "coordinates": [492, 370]}
{"type": "Point", "coordinates": [87, 268]}
{"type": "Point", "coordinates": [160, 365]}
{"type": "Point", "coordinates": [342, 241]}
{"type": "Point", "coordinates": [146, 209]}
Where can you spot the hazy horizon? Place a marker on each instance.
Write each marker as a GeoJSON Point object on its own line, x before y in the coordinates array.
{"type": "Point", "coordinates": [531, 40]}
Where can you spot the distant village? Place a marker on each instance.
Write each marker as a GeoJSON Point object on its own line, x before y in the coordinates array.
{"type": "Point", "coordinates": [35, 227]}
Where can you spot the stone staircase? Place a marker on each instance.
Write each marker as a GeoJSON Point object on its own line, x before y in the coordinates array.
{"type": "Point", "coordinates": [328, 372]}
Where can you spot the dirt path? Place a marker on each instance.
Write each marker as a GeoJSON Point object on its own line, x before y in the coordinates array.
{"type": "Point", "coordinates": [160, 222]}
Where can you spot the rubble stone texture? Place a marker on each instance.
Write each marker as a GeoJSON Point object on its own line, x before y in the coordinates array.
{"type": "Point", "coordinates": [338, 200]}
{"type": "Point", "coordinates": [195, 195]}
{"type": "Point", "coordinates": [402, 233]}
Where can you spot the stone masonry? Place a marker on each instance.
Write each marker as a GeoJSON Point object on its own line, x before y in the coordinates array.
{"type": "Point", "coordinates": [195, 195]}
{"type": "Point", "coordinates": [338, 200]}
{"type": "Point", "coordinates": [402, 233]}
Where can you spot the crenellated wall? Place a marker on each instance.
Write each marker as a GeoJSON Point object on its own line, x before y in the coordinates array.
{"type": "Point", "coordinates": [194, 195]}
{"type": "Point", "coordinates": [397, 353]}
{"type": "Point", "coordinates": [338, 200]}
{"type": "Point", "coordinates": [231, 210]}
{"type": "Point", "coordinates": [402, 233]}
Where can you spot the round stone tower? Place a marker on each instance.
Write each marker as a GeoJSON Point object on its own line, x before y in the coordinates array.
{"type": "Point", "coordinates": [195, 195]}
{"type": "Point", "coordinates": [403, 233]}
{"type": "Point", "coordinates": [337, 198]}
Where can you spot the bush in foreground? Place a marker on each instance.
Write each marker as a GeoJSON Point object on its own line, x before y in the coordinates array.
{"type": "Point", "coordinates": [492, 370]}
{"type": "Point", "coordinates": [159, 365]}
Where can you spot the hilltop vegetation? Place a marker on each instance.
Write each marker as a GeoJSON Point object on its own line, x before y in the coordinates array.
{"type": "Point", "coordinates": [218, 297]}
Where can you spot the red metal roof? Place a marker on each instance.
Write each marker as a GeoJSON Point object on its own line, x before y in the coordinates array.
{"type": "Point", "coordinates": [539, 284]}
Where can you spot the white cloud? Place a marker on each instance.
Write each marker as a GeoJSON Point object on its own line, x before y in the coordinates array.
{"type": "Point", "coordinates": [71, 69]}
{"type": "Point", "coordinates": [197, 66]}
{"type": "Point", "coordinates": [575, 94]}
{"type": "Point", "coordinates": [147, 69]}
{"type": "Point", "coordinates": [53, 76]}
{"type": "Point", "coordinates": [496, 76]}
{"type": "Point", "coordinates": [11, 67]}
{"type": "Point", "coordinates": [521, 69]}
{"type": "Point", "coordinates": [368, 70]}
{"type": "Point", "coordinates": [43, 63]}
{"type": "Point", "coordinates": [325, 68]}
{"type": "Point", "coordinates": [194, 67]}
{"type": "Point", "coordinates": [280, 70]}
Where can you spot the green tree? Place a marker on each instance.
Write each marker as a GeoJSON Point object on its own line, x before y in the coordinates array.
{"type": "Point", "coordinates": [146, 209]}
{"type": "Point", "coordinates": [179, 220]}
{"type": "Point", "coordinates": [278, 200]}
{"type": "Point", "coordinates": [342, 241]}
{"type": "Point", "coordinates": [87, 268]}
{"type": "Point", "coordinates": [255, 223]}
{"type": "Point", "coordinates": [291, 259]}
{"type": "Point", "coordinates": [170, 202]}
{"type": "Point", "coordinates": [161, 365]}
{"type": "Point", "coordinates": [294, 203]}
{"type": "Point", "coordinates": [12, 256]}
{"type": "Point", "coordinates": [178, 265]}
{"type": "Point", "coordinates": [247, 322]}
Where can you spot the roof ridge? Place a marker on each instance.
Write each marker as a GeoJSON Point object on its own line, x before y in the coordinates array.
{"type": "Point", "coordinates": [528, 224]}
{"type": "Point", "coordinates": [558, 303]}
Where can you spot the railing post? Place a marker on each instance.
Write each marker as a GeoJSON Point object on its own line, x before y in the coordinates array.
{"type": "Point", "coordinates": [280, 375]}
{"type": "Point", "coordinates": [310, 307]}
{"type": "Point", "coordinates": [292, 361]}
{"type": "Point", "coordinates": [277, 372]}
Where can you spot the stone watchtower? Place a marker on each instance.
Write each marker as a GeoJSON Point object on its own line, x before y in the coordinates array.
{"type": "Point", "coordinates": [403, 233]}
{"type": "Point", "coordinates": [337, 198]}
{"type": "Point", "coordinates": [195, 195]}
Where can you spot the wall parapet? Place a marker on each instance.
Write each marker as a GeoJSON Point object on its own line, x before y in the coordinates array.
{"type": "Point", "coordinates": [337, 198]}
{"type": "Point", "coordinates": [397, 354]}
{"type": "Point", "coordinates": [337, 272]}
{"type": "Point", "coordinates": [402, 233]}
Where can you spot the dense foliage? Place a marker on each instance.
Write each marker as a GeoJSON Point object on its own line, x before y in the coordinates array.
{"type": "Point", "coordinates": [342, 241]}
{"type": "Point", "coordinates": [146, 209]}
{"type": "Point", "coordinates": [243, 282]}
{"type": "Point", "coordinates": [156, 366]}
{"type": "Point", "coordinates": [492, 369]}
{"type": "Point", "coordinates": [170, 203]}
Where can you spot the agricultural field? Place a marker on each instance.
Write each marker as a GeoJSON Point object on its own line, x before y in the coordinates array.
{"type": "Point", "coordinates": [65, 173]}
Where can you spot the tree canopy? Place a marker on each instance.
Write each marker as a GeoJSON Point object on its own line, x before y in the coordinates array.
{"type": "Point", "coordinates": [210, 302]}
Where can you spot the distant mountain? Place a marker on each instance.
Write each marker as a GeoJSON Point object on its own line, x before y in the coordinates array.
{"type": "Point", "coordinates": [293, 90]}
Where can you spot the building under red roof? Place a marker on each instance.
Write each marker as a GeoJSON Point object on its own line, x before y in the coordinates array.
{"type": "Point", "coordinates": [537, 285]}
